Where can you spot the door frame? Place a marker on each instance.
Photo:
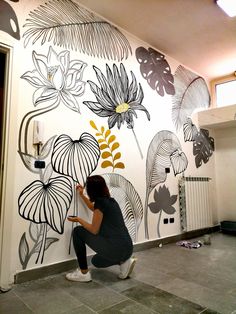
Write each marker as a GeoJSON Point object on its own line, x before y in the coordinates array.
{"type": "Point", "coordinates": [6, 181]}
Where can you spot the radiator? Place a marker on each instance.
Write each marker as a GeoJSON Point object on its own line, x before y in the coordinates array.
{"type": "Point", "coordinates": [195, 203]}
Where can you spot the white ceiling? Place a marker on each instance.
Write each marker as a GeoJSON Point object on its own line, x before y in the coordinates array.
{"type": "Point", "coordinates": [197, 33]}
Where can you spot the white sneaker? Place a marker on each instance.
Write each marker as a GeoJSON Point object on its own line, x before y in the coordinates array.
{"type": "Point", "coordinates": [127, 267]}
{"type": "Point", "coordinates": [78, 276]}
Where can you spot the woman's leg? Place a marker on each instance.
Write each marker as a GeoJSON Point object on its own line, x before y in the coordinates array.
{"type": "Point", "coordinates": [108, 253]}
{"type": "Point", "coordinates": [80, 247]}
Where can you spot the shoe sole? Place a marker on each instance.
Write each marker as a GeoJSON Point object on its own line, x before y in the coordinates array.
{"type": "Point", "coordinates": [130, 269]}
{"type": "Point", "coordinates": [76, 280]}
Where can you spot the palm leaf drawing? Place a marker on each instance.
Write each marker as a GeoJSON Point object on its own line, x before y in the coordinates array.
{"type": "Point", "coordinates": [191, 92]}
{"type": "Point", "coordinates": [129, 200]}
{"type": "Point", "coordinates": [66, 24]}
{"type": "Point", "coordinates": [108, 145]}
{"type": "Point", "coordinates": [164, 152]}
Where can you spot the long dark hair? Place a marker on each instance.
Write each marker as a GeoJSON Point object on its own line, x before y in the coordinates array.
{"type": "Point", "coordinates": [96, 187]}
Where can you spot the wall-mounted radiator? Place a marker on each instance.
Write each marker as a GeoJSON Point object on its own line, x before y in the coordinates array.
{"type": "Point", "coordinates": [195, 203]}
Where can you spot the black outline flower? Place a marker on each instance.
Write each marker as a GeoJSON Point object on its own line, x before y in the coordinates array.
{"type": "Point", "coordinates": [116, 98]}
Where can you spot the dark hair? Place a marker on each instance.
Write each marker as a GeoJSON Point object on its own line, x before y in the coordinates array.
{"type": "Point", "coordinates": [96, 187]}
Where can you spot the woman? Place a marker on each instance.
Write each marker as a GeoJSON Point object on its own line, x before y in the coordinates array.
{"type": "Point", "coordinates": [107, 234]}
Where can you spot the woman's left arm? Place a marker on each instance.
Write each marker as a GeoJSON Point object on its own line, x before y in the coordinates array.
{"type": "Point", "coordinates": [93, 227]}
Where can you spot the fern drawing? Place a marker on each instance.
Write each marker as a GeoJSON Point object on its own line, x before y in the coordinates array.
{"type": "Point", "coordinates": [66, 24]}
{"type": "Point", "coordinates": [108, 145]}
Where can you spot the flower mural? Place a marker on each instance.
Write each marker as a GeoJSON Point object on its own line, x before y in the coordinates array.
{"type": "Point", "coordinates": [56, 78]}
{"type": "Point", "coordinates": [163, 203]}
{"type": "Point", "coordinates": [117, 99]}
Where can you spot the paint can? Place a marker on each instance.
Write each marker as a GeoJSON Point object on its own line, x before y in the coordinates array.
{"type": "Point", "coordinates": [207, 239]}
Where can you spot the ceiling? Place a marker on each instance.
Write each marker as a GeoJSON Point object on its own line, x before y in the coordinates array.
{"type": "Point", "coordinates": [197, 33]}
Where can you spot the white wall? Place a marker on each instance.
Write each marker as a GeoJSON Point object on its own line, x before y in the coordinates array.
{"type": "Point", "coordinates": [65, 121]}
{"type": "Point", "coordinates": [226, 173]}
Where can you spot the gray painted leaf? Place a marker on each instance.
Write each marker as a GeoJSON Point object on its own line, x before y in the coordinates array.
{"type": "Point", "coordinates": [29, 161]}
{"type": "Point", "coordinates": [129, 200]}
{"type": "Point", "coordinates": [23, 249]}
{"type": "Point", "coordinates": [35, 231]}
{"type": "Point", "coordinates": [46, 148]}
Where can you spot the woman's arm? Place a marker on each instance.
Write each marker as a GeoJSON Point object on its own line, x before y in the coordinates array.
{"type": "Point", "coordinates": [88, 203]}
{"type": "Point", "coordinates": [93, 227]}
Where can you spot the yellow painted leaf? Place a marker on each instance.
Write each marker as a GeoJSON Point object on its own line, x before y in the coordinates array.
{"type": "Point", "coordinates": [108, 132]}
{"type": "Point", "coordinates": [115, 146]}
{"type": "Point", "coordinates": [101, 140]}
{"type": "Point", "coordinates": [103, 146]}
{"type": "Point", "coordinates": [93, 125]}
{"type": "Point", "coordinates": [102, 129]}
{"type": "Point", "coordinates": [106, 164]}
{"type": "Point", "coordinates": [106, 155]}
{"type": "Point", "coordinates": [111, 139]}
{"type": "Point", "coordinates": [117, 156]}
{"type": "Point", "coordinates": [98, 134]}
{"type": "Point", "coordinates": [119, 165]}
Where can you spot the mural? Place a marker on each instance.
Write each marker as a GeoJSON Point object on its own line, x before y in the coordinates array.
{"type": "Point", "coordinates": [8, 20]}
{"type": "Point", "coordinates": [108, 146]}
{"type": "Point", "coordinates": [116, 98]}
{"type": "Point", "coordinates": [163, 202]}
{"type": "Point", "coordinates": [203, 144]}
{"type": "Point", "coordinates": [68, 25]}
{"type": "Point", "coordinates": [128, 199]}
{"type": "Point", "coordinates": [46, 201]}
{"type": "Point", "coordinates": [46, 204]}
{"type": "Point", "coordinates": [156, 70]}
{"type": "Point", "coordinates": [191, 93]}
{"type": "Point", "coordinates": [164, 152]}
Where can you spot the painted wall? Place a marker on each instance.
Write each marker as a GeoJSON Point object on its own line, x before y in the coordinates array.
{"type": "Point", "coordinates": [108, 104]}
{"type": "Point", "coordinates": [225, 173]}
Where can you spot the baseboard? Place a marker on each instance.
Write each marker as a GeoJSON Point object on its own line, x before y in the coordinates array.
{"type": "Point", "coordinates": [49, 270]}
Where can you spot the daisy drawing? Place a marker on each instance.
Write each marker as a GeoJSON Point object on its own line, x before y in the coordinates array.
{"type": "Point", "coordinates": [116, 98]}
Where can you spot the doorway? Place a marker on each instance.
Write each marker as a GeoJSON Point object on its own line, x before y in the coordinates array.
{"type": "Point", "coordinates": [2, 115]}
{"type": "Point", "coordinates": [5, 61]}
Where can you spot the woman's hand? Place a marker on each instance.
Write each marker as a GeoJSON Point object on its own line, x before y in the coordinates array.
{"type": "Point", "coordinates": [73, 218]}
{"type": "Point", "coordinates": [80, 189]}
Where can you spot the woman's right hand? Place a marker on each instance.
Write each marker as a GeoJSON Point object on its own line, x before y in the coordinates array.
{"type": "Point", "coordinates": [80, 189]}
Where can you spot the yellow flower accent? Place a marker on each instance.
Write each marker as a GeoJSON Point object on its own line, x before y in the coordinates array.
{"type": "Point", "coordinates": [122, 107]}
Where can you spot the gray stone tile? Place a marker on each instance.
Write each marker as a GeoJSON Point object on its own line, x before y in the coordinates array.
{"type": "Point", "coordinates": [92, 294]}
{"type": "Point", "coordinates": [13, 306]}
{"type": "Point", "coordinates": [82, 309]}
{"type": "Point", "coordinates": [128, 307]}
{"type": "Point", "coordinates": [43, 297]}
{"type": "Point", "coordinates": [110, 279]}
{"type": "Point", "coordinates": [206, 297]}
{"type": "Point", "coordinates": [161, 301]}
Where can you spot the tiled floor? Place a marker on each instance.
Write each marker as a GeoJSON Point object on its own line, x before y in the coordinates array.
{"type": "Point", "coordinates": [170, 279]}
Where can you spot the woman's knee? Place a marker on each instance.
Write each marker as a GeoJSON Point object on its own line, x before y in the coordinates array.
{"type": "Point", "coordinates": [78, 231]}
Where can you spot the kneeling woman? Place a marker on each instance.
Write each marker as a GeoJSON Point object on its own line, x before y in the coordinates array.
{"type": "Point", "coordinates": [107, 234]}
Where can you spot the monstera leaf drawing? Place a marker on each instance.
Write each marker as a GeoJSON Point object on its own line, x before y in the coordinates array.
{"type": "Point", "coordinates": [156, 70]}
{"type": "Point", "coordinates": [190, 130]}
{"type": "Point", "coordinates": [203, 147]}
{"type": "Point", "coordinates": [191, 92]}
{"type": "Point", "coordinates": [67, 24]}
{"type": "Point", "coordinates": [75, 158]}
{"type": "Point", "coordinates": [46, 203]}
{"type": "Point", "coordinates": [129, 200]}
{"type": "Point", "coordinates": [8, 20]}
{"type": "Point", "coordinates": [164, 152]}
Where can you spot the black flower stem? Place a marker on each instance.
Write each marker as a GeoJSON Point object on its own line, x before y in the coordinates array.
{"type": "Point", "coordinates": [42, 246]}
{"type": "Point", "coordinates": [146, 217]}
{"type": "Point", "coordinates": [75, 212]}
{"type": "Point", "coordinates": [158, 224]}
{"type": "Point", "coordinates": [139, 148]}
